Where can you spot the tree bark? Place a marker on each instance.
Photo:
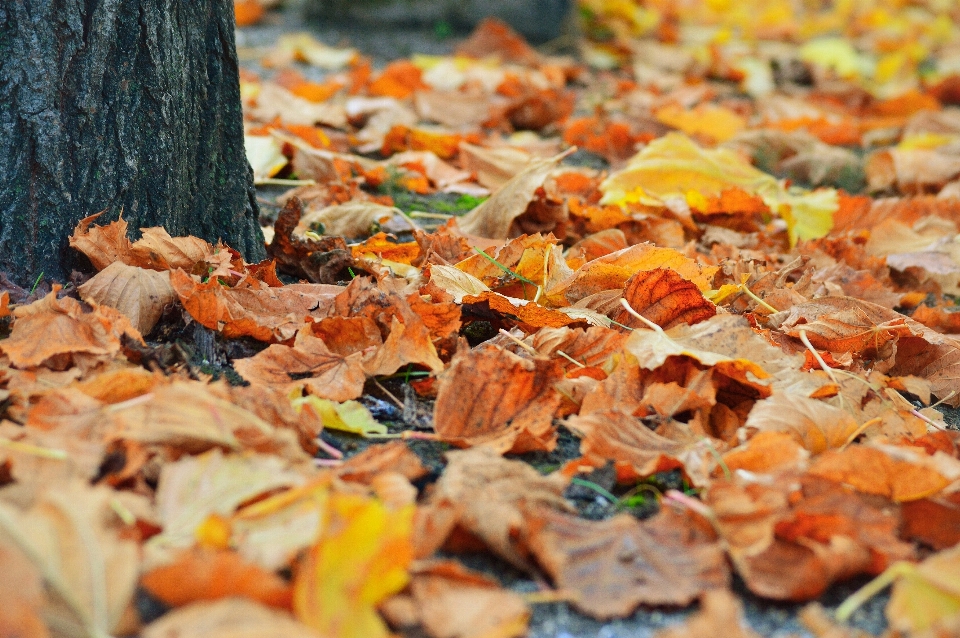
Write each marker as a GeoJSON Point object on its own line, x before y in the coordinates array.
{"type": "Point", "coordinates": [123, 105]}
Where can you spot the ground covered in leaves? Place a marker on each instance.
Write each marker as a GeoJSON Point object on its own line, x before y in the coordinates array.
{"type": "Point", "coordinates": [665, 324]}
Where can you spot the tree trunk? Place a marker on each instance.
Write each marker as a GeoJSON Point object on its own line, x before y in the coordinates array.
{"type": "Point", "coordinates": [124, 105]}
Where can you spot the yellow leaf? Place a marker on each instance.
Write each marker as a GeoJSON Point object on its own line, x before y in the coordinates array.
{"type": "Point", "coordinates": [349, 416]}
{"type": "Point", "coordinates": [361, 558]}
{"type": "Point", "coordinates": [674, 166]}
{"type": "Point", "coordinates": [838, 55]}
{"type": "Point", "coordinates": [265, 155]}
{"type": "Point", "coordinates": [706, 120]}
{"type": "Point", "coordinates": [809, 215]}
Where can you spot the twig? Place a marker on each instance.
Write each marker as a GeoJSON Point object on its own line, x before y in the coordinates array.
{"type": "Point", "coordinates": [525, 346]}
{"type": "Point", "coordinates": [389, 394]}
{"type": "Point", "coordinates": [639, 317]}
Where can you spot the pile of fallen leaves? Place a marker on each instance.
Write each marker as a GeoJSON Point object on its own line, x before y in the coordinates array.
{"type": "Point", "coordinates": [738, 292]}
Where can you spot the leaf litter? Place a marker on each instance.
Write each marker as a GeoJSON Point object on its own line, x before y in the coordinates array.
{"type": "Point", "coordinates": [716, 343]}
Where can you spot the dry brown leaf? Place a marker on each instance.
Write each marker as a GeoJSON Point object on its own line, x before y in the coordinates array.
{"type": "Point", "coordinates": [620, 563]}
{"type": "Point", "coordinates": [251, 308]}
{"type": "Point", "coordinates": [73, 536]}
{"type": "Point", "coordinates": [191, 489]}
{"type": "Point", "coordinates": [353, 219]}
{"type": "Point", "coordinates": [765, 452]}
{"type": "Point", "coordinates": [393, 457]}
{"type": "Point", "coordinates": [493, 397]}
{"type": "Point", "coordinates": [815, 425]}
{"type": "Point", "coordinates": [495, 217]}
{"type": "Point", "coordinates": [934, 522]}
{"type": "Point", "coordinates": [230, 618]}
{"type": "Point", "coordinates": [721, 613]}
{"type": "Point", "coordinates": [450, 601]}
{"type": "Point", "coordinates": [665, 298]}
{"type": "Point", "coordinates": [53, 331]}
{"type": "Point", "coordinates": [191, 418]}
{"type": "Point", "coordinates": [529, 314]}
{"type": "Point", "coordinates": [157, 250]}
{"type": "Point", "coordinates": [591, 347]}
{"type": "Point", "coordinates": [844, 324]}
{"type": "Point", "coordinates": [138, 293]}
{"type": "Point", "coordinates": [493, 167]}
{"type": "Point", "coordinates": [493, 497]}
{"type": "Point", "coordinates": [636, 450]}
{"type": "Point", "coordinates": [102, 245]}
{"type": "Point", "coordinates": [307, 364]}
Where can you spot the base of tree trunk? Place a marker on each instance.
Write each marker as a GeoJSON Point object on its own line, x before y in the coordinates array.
{"type": "Point", "coordinates": [123, 105]}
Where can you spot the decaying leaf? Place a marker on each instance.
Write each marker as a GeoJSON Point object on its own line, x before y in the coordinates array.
{"type": "Point", "coordinates": [251, 308]}
{"type": "Point", "coordinates": [202, 574]}
{"type": "Point", "coordinates": [307, 364]}
{"type": "Point", "coordinates": [449, 601]}
{"type": "Point", "coordinates": [54, 330]}
{"type": "Point", "coordinates": [495, 217]}
{"type": "Point", "coordinates": [492, 498]}
{"type": "Point", "coordinates": [138, 293]}
{"type": "Point", "coordinates": [665, 298]}
{"type": "Point", "coordinates": [618, 564]}
{"type": "Point", "coordinates": [493, 397]}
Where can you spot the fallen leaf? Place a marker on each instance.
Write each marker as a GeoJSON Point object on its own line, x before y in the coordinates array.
{"type": "Point", "coordinates": [872, 471]}
{"type": "Point", "coordinates": [138, 293]}
{"type": "Point", "coordinates": [815, 425]}
{"type": "Point", "coordinates": [55, 330]}
{"type": "Point", "coordinates": [495, 217]}
{"type": "Point", "coordinates": [450, 601]}
{"type": "Point", "coordinates": [191, 489]}
{"type": "Point", "coordinates": [360, 558]}
{"type": "Point", "coordinates": [665, 298]}
{"type": "Point", "coordinates": [22, 594]}
{"type": "Point", "coordinates": [307, 364]}
{"type": "Point", "coordinates": [228, 618]}
{"type": "Point", "coordinates": [251, 308]}
{"type": "Point", "coordinates": [493, 397]}
{"type": "Point", "coordinates": [73, 537]}
{"type": "Point", "coordinates": [618, 564]}
{"type": "Point", "coordinates": [612, 272]}
{"type": "Point", "coordinates": [201, 574]}
{"type": "Point", "coordinates": [349, 416]}
{"type": "Point", "coordinates": [719, 611]}
{"type": "Point", "coordinates": [493, 498]}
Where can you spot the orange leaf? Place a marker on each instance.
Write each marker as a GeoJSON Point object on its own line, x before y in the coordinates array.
{"type": "Point", "coordinates": [201, 574]}
{"type": "Point", "coordinates": [307, 364]}
{"type": "Point", "coordinates": [617, 564]}
{"type": "Point", "coordinates": [251, 308]}
{"type": "Point", "coordinates": [665, 298]}
{"type": "Point", "coordinates": [493, 397]}
{"type": "Point", "coordinates": [53, 328]}
{"type": "Point", "coordinates": [247, 12]}
{"type": "Point", "coordinates": [529, 313]}
{"type": "Point", "coordinates": [400, 79]}
{"type": "Point", "coordinates": [872, 471]}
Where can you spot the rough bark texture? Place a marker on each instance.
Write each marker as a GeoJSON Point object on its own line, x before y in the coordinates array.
{"type": "Point", "coordinates": [129, 105]}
